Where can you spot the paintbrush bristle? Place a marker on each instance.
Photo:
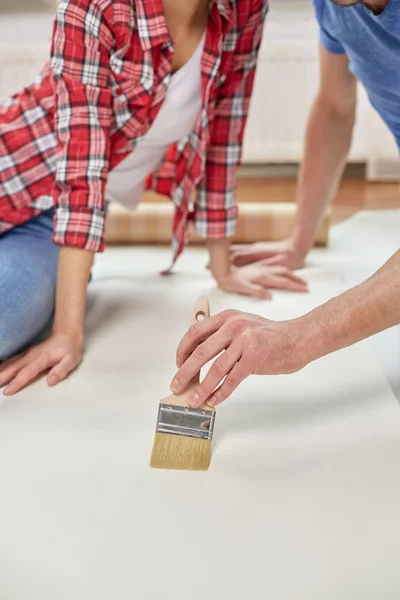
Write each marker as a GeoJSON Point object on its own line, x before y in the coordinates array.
{"type": "Point", "coordinates": [180, 452]}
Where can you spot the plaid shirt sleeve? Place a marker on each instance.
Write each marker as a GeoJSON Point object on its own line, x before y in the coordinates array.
{"type": "Point", "coordinates": [80, 63]}
{"type": "Point", "coordinates": [216, 209]}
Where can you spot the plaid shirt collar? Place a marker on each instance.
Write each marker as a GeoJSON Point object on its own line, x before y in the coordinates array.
{"type": "Point", "coordinates": [152, 25]}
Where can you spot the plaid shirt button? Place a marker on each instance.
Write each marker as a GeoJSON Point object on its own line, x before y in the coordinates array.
{"type": "Point", "coordinates": [119, 91]}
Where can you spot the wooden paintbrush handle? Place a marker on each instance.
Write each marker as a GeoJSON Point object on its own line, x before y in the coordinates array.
{"type": "Point", "coordinates": [201, 310]}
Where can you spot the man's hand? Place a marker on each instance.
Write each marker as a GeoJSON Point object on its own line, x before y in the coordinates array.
{"type": "Point", "coordinates": [249, 344]}
{"type": "Point", "coordinates": [61, 354]}
{"type": "Point", "coordinates": [257, 280]}
{"type": "Point", "coordinates": [284, 253]}
{"type": "Point", "coordinates": [253, 345]}
{"type": "Point", "coordinates": [250, 280]}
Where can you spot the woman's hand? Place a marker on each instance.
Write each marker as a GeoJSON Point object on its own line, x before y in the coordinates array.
{"type": "Point", "coordinates": [61, 353]}
{"type": "Point", "coordinates": [284, 253]}
{"type": "Point", "coordinates": [249, 344]}
{"type": "Point", "coordinates": [258, 279]}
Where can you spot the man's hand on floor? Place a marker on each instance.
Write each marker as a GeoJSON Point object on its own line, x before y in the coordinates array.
{"type": "Point", "coordinates": [283, 253]}
{"type": "Point", "coordinates": [258, 279]}
{"type": "Point", "coordinates": [60, 354]}
{"type": "Point", "coordinates": [254, 279]}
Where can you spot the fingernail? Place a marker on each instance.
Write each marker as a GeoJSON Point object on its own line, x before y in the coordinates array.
{"type": "Point", "coordinates": [178, 362]}
{"type": "Point", "coordinates": [5, 391]}
{"type": "Point", "coordinates": [211, 403]}
{"type": "Point", "coordinates": [175, 385]}
{"type": "Point", "coordinates": [194, 400]}
{"type": "Point", "coordinates": [52, 380]}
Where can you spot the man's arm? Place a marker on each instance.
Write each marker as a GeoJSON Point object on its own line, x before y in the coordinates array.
{"type": "Point", "coordinates": [327, 144]}
{"type": "Point", "coordinates": [254, 345]}
{"type": "Point", "coordinates": [355, 315]}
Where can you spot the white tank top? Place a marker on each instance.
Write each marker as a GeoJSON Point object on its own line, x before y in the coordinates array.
{"type": "Point", "coordinates": [174, 121]}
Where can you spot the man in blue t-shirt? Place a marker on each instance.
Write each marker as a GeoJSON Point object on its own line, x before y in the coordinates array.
{"type": "Point", "coordinates": [359, 40]}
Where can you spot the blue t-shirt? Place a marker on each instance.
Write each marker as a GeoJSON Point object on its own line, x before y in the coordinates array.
{"type": "Point", "coordinates": [372, 44]}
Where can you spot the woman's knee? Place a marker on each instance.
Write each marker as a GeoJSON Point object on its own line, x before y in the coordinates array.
{"type": "Point", "coordinates": [28, 273]}
{"type": "Point", "coordinates": [8, 347]}
{"type": "Point", "coordinates": [25, 311]}
{"type": "Point", "coordinates": [19, 329]}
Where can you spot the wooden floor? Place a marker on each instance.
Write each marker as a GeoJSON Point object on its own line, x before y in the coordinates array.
{"type": "Point", "coordinates": [353, 195]}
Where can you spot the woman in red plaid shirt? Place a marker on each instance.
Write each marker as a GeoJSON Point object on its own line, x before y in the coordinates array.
{"type": "Point", "coordinates": [111, 74]}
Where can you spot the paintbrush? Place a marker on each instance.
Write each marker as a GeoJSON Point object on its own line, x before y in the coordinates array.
{"type": "Point", "coordinates": [183, 434]}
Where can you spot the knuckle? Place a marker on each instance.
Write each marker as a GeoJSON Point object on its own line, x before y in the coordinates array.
{"type": "Point", "coordinates": [246, 338]}
{"type": "Point", "coordinates": [184, 376]}
{"type": "Point", "coordinates": [229, 313]}
{"type": "Point", "coordinates": [221, 318]}
{"type": "Point", "coordinates": [9, 370]}
{"type": "Point", "coordinates": [32, 354]}
{"type": "Point", "coordinates": [194, 330]}
{"type": "Point", "coordinates": [231, 381]}
{"type": "Point", "coordinates": [34, 369]}
{"type": "Point", "coordinates": [42, 362]}
{"type": "Point", "coordinates": [202, 389]}
{"type": "Point", "coordinates": [237, 323]}
{"type": "Point", "coordinates": [217, 369]}
{"type": "Point", "coordinates": [199, 352]}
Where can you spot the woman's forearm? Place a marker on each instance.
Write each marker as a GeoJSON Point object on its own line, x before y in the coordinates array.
{"type": "Point", "coordinates": [219, 257]}
{"type": "Point", "coordinates": [74, 267]}
{"type": "Point", "coordinates": [355, 315]}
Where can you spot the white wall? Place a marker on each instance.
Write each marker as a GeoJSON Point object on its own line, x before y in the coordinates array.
{"type": "Point", "coordinates": [286, 82]}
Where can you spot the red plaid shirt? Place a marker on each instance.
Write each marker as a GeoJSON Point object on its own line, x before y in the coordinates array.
{"type": "Point", "coordinates": [106, 81]}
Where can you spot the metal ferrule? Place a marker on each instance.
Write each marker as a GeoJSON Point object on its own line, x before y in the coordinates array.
{"type": "Point", "coordinates": [191, 422]}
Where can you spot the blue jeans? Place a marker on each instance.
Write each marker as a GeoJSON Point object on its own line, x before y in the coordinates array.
{"type": "Point", "coordinates": [28, 276]}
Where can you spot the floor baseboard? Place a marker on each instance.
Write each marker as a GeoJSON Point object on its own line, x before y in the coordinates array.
{"type": "Point", "coordinates": [290, 170]}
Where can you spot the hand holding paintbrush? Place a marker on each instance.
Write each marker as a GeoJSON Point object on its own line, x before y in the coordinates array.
{"type": "Point", "coordinates": [183, 434]}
